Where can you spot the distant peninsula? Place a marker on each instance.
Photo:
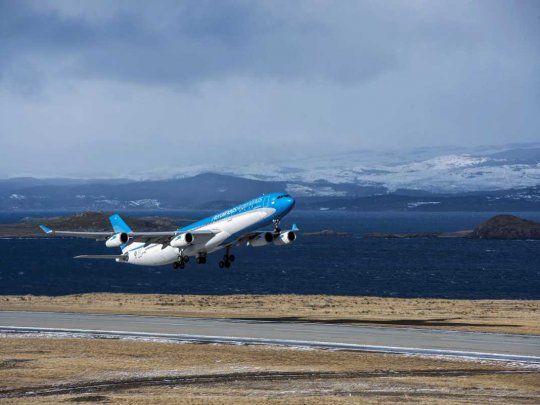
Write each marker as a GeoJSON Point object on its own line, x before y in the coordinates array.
{"type": "Point", "coordinates": [498, 227]}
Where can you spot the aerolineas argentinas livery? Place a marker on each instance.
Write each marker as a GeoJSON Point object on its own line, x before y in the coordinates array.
{"type": "Point", "coordinates": [235, 226]}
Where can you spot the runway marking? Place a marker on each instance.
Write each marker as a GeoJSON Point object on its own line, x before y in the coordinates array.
{"type": "Point", "coordinates": [257, 321]}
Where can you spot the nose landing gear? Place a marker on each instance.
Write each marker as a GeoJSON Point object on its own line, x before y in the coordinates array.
{"type": "Point", "coordinates": [201, 258]}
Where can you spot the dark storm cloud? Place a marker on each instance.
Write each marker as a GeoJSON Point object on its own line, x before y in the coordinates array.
{"type": "Point", "coordinates": [144, 85]}
{"type": "Point", "coordinates": [192, 40]}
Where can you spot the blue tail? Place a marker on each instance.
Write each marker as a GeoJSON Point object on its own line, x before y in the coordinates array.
{"type": "Point", "coordinates": [118, 224]}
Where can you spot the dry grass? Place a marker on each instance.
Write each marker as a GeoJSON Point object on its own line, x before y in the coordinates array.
{"type": "Point", "coordinates": [509, 316]}
{"type": "Point", "coordinates": [31, 364]}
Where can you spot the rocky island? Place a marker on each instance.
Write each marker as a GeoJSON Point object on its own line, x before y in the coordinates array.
{"type": "Point", "coordinates": [498, 227]}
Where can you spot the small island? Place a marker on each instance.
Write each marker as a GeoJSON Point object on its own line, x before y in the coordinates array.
{"type": "Point", "coordinates": [328, 232]}
{"type": "Point", "coordinates": [498, 227]}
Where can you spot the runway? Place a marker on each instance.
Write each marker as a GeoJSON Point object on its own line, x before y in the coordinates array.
{"type": "Point", "coordinates": [429, 342]}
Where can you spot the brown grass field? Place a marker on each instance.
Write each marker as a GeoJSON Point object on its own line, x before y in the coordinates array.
{"type": "Point", "coordinates": [131, 372]}
{"type": "Point", "coordinates": [507, 316]}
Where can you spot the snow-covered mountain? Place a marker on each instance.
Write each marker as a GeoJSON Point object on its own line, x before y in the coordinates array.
{"type": "Point", "coordinates": [495, 168]}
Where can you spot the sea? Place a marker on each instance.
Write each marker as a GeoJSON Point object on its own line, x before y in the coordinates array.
{"type": "Point", "coordinates": [346, 265]}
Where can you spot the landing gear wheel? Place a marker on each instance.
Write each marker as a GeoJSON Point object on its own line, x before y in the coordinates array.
{"type": "Point", "coordinates": [227, 264]}
{"type": "Point", "coordinates": [201, 259]}
{"type": "Point", "coordinates": [186, 259]}
{"type": "Point", "coordinates": [181, 265]}
{"type": "Point", "coordinates": [175, 265]}
{"type": "Point", "coordinates": [231, 258]}
{"type": "Point", "coordinates": [221, 264]}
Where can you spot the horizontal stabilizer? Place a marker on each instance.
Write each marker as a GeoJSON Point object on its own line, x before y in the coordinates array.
{"type": "Point", "coordinates": [110, 257]}
{"type": "Point", "coordinates": [45, 229]}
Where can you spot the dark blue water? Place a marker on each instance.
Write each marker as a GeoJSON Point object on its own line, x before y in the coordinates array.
{"type": "Point", "coordinates": [451, 268]}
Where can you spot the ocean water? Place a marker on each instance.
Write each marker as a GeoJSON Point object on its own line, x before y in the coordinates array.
{"type": "Point", "coordinates": [447, 268]}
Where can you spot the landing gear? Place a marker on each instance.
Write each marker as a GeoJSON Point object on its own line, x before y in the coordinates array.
{"type": "Point", "coordinates": [178, 265]}
{"type": "Point", "coordinates": [277, 229]}
{"type": "Point", "coordinates": [201, 258]}
{"type": "Point", "coordinates": [181, 263]}
{"type": "Point", "coordinates": [227, 259]}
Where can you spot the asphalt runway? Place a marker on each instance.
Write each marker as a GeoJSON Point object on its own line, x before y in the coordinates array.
{"type": "Point", "coordinates": [475, 345]}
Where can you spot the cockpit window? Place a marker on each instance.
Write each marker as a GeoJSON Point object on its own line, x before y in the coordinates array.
{"type": "Point", "coordinates": [283, 196]}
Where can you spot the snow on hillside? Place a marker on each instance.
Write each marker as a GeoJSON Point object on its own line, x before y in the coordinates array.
{"type": "Point", "coordinates": [426, 169]}
{"type": "Point", "coordinates": [450, 173]}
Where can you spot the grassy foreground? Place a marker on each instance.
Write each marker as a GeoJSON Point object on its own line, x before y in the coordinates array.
{"type": "Point", "coordinates": [112, 371]}
{"type": "Point", "coordinates": [508, 316]}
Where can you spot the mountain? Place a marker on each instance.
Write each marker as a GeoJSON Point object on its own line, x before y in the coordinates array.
{"type": "Point", "coordinates": [512, 168]}
{"type": "Point", "coordinates": [435, 179]}
{"type": "Point", "coordinates": [216, 191]}
{"type": "Point", "coordinates": [440, 170]}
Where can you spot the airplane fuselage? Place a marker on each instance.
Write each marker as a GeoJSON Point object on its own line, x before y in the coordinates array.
{"type": "Point", "coordinates": [225, 229]}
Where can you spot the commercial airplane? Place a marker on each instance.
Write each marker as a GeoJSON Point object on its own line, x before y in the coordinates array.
{"type": "Point", "coordinates": [224, 230]}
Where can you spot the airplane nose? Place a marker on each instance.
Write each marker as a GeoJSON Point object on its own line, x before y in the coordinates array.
{"type": "Point", "coordinates": [290, 202]}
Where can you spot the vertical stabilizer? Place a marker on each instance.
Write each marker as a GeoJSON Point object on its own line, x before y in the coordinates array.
{"type": "Point", "coordinates": [118, 224]}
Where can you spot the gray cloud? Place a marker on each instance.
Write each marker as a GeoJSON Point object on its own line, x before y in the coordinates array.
{"type": "Point", "coordinates": [193, 41]}
{"type": "Point", "coordinates": [141, 85]}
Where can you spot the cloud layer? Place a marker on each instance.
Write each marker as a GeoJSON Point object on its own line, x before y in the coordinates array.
{"type": "Point", "coordinates": [113, 88]}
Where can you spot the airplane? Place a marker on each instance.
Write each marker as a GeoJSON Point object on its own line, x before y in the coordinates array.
{"type": "Point", "coordinates": [236, 226]}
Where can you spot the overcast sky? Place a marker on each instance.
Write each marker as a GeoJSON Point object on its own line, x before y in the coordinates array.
{"type": "Point", "coordinates": [108, 88]}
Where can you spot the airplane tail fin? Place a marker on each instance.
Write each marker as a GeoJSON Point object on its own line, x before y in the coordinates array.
{"type": "Point", "coordinates": [118, 224]}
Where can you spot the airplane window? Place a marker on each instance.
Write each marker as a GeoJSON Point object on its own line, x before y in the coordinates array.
{"type": "Point", "coordinates": [283, 196]}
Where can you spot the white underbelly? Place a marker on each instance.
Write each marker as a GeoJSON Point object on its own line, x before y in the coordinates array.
{"type": "Point", "coordinates": [153, 255]}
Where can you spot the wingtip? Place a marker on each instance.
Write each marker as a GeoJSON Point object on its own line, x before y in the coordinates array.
{"type": "Point", "coordinates": [45, 229]}
{"type": "Point", "coordinates": [295, 227]}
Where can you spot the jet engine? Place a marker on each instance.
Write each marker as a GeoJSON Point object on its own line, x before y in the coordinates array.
{"type": "Point", "coordinates": [117, 240]}
{"type": "Point", "coordinates": [262, 239]}
{"type": "Point", "coordinates": [284, 238]}
{"type": "Point", "coordinates": [183, 240]}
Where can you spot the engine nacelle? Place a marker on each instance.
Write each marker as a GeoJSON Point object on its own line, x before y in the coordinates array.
{"type": "Point", "coordinates": [284, 238]}
{"type": "Point", "coordinates": [183, 240]}
{"type": "Point", "coordinates": [117, 240]}
{"type": "Point", "coordinates": [262, 239]}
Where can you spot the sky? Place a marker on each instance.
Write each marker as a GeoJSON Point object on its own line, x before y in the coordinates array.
{"type": "Point", "coordinates": [122, 88]}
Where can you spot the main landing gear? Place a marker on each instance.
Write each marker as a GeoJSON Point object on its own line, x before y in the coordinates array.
{"type": "Point", "coordinates": [181, 263]}
{"type": "Point", "coordinates": [201, 258]}
{"type": "Point", "coordinates": [228, 258]}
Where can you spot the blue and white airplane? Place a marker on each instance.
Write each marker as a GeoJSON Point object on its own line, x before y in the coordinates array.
{"type": "Point", "coordinates": [224, 230]}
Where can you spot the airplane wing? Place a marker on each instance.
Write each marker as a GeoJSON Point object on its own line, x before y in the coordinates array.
{"type": "Point", "coordinates": [105, 234]}
{"type": "Point", "coordinates": [93, 235]}
{"type": "Point", "coordinates": [146, 237]}
{"type": "Point", "coordinates": [109, 257]}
